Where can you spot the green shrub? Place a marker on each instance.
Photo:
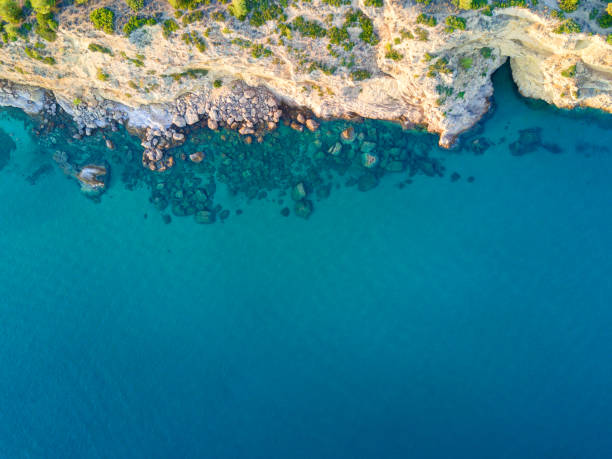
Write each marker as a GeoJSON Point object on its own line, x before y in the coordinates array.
{"type": "Point", "coordinates": [34, 54]}
{"type": "Point", "coordinates": [76, 101]}
{"type": "Point", "coordinates": [169, 27]}
{"type": "Point", "coordinates": [46, 26]}
{"type": "Point", "coordinates": [360, 75]}
{"type": "Point", "coordinates": [469, 4]}
{"type": "Point", "coordinates": [421, 34]}
{"type": "Point", "coordinates": [568, 6]}
{"type": "Point", "coordinates": [569, 26]}
{"type": "Point", "coordinates": [239, 9]}
{"type": "Point", "coordinates": [426, 20]}
{"type": "Point", "coordinates": [218, 16]}
{"type": "Point", "coordinates": [453, 23]}
{"type": "Point", "coordinates": [440, 66]}
{"type": "Point", "coordinates": [103, 19]}
{"type": "Point", "coordinates": [10, 11]}
{"type": "Point", "coordinates": [367, 34]}
{"type": "Point", "coordinates": [136, 5]}
{"type": "Point", "coordinates": [99, 49]}
{"type": "Point", "coordinates": [393, 54]}
{"type": "Point", "coordinates": [217, 83]}
{"type": "Point", "coordinates": [337, 2]}
{"type": "Point", "coordinates": [42, 6]}
{"type": "Point", "coordinates": [192, 17]}
{"type": "Point", "coordinates": [465, 63]}
{"type": "Point", "coordinates": [100, 75]}
{"type": "Point", "coordinates": [264, 11]}
{"type": "Point", "coordinates": [486, 52]}
{"type": "Point", "coordinates": [510, 3]}
{"type": "Point", "coordinates": [569, 72]}
{"type": "Point", "coordinates": [308, 28]}
{"type": "Point", "coordinates": [376, 3]}
{"type": "Point", "coordinates": [136, 23]}
{"type": "Point", "coordinates": [609, 39]}
{"type": "Point", "coordinates": [185, 4]}
{"type": "Point", "coordinates": [258, 50]}
{"type": "Point", "coordinates": [605, 20]}
{"type": "Point", "coordinates": [558, 14]}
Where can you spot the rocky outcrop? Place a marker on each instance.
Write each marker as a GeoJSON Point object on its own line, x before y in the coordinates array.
{"type": "Point", "coordinates": [433, 76]}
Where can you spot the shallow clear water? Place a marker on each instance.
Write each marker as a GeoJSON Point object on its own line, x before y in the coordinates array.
{"type": "Point", "coordinates": [441, 319]}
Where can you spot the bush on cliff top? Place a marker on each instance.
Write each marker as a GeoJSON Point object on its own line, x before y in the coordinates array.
{"type": "Point", "coordinates": [136, 5]}
{"type": "Point", "coordinates": [135, 23]}
{"type": "Point", "coordinates": [426, 20]}
{"type": "Point", "coordinates": [568, 5]}
{"type": "Point", "coordinates": [239, 9]}
{"type": "Point", "coordinates": [453, 23]}
{"type": "Point", "coordinates": [469, 4]}
{"type": "Point", "coordinates": [10, 11]}
{"type": "Point", "coordinates": [42, 6]}
{"type": "Point", "coordinates": [103, 19]}
{"type": "Point", "coordinates": [605, 21]}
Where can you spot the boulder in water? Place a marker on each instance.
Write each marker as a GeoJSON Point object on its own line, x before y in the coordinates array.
{"type": "Point", "coordinates": [93, 178]}
{"type": "Point", "coordinates": [303, 208]}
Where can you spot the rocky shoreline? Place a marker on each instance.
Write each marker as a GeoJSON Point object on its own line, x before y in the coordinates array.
{"type": "Point", "coordinates": [251, 111]}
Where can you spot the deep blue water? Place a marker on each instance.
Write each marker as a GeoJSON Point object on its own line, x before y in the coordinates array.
{"type": "Point", "coordinates": [444, 319]}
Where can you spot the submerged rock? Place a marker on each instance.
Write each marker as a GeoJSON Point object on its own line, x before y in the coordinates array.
{"type": "Point", "coordinates": [369, 160]}
{"type": "Point", "coordinates": [312, 125]}
{"type": "Point", "coordinates": [367, 182]}
{"type": "Point", "coordinates": [298, 192]}
{"type": "Point", "coordinates": [336, 149]}
{"type": "Point", "coordinates": [204, 217]}
{"type": "Point", "coordinates": [348, 135]}
{"type": "Point", "coordinates": [196, 157]}
{"type": "Point", "coordinates": [93, 178]}
{"type": "Point", "coordinates": [6, 146]}
{"type": "Point", "coordinates": [303, 208]}
{"type": "Point", "coordinates": [529, 140]}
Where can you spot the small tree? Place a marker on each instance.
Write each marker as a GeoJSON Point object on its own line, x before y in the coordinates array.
{"type": "Point", "coordinates": [239, 9]}
{"type": "Point", "coordinates": [10, 11]}
{"type": "Point", "coordinates": [568, 5]}
{"type": "Point", "coordinates": [136, 5]}
{"type": "Point", "coordinates": [609, 9]}
{"type": "Point", "coordinates": [43, 6]}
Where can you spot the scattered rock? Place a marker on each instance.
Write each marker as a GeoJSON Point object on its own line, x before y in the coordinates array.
{"type": "Point", "coordinates": [348, 135]}
{"type": "Point", "coordinates": [367, 147]}
{"type": "Point", "coordinates": [93, 178]}
{"type": "Point", "coordinates": [312, 125]}
{"type": "Point", "coordinates": [303, 208]}
{"type": "Point", "coordinates": [196, 157]}
{"type": "Point", "coordinates": [204, 217]}
{"type": "Point", "coordinates": [529, 140]}
{"type": "Point", "coordinates": [336, 149]}
{"type": "Point", "coordinates": [212, 124]}
{"type": "Point", "coordinates": [367, 182]}
{"type": "Point", "coordinates": [369, 160]}
{"type": "Point", "coordinates": [298, 192]}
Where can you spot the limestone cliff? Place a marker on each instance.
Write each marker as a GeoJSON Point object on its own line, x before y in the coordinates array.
{"type": "Point", "coordinates": [409, 69]}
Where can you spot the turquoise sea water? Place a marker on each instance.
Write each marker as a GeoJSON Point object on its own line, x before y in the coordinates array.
{"type": "Point", "coordinates": [442, 319]}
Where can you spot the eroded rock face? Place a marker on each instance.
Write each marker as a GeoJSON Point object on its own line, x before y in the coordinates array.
{"type": "Point", "coordinates": [441, 79]}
